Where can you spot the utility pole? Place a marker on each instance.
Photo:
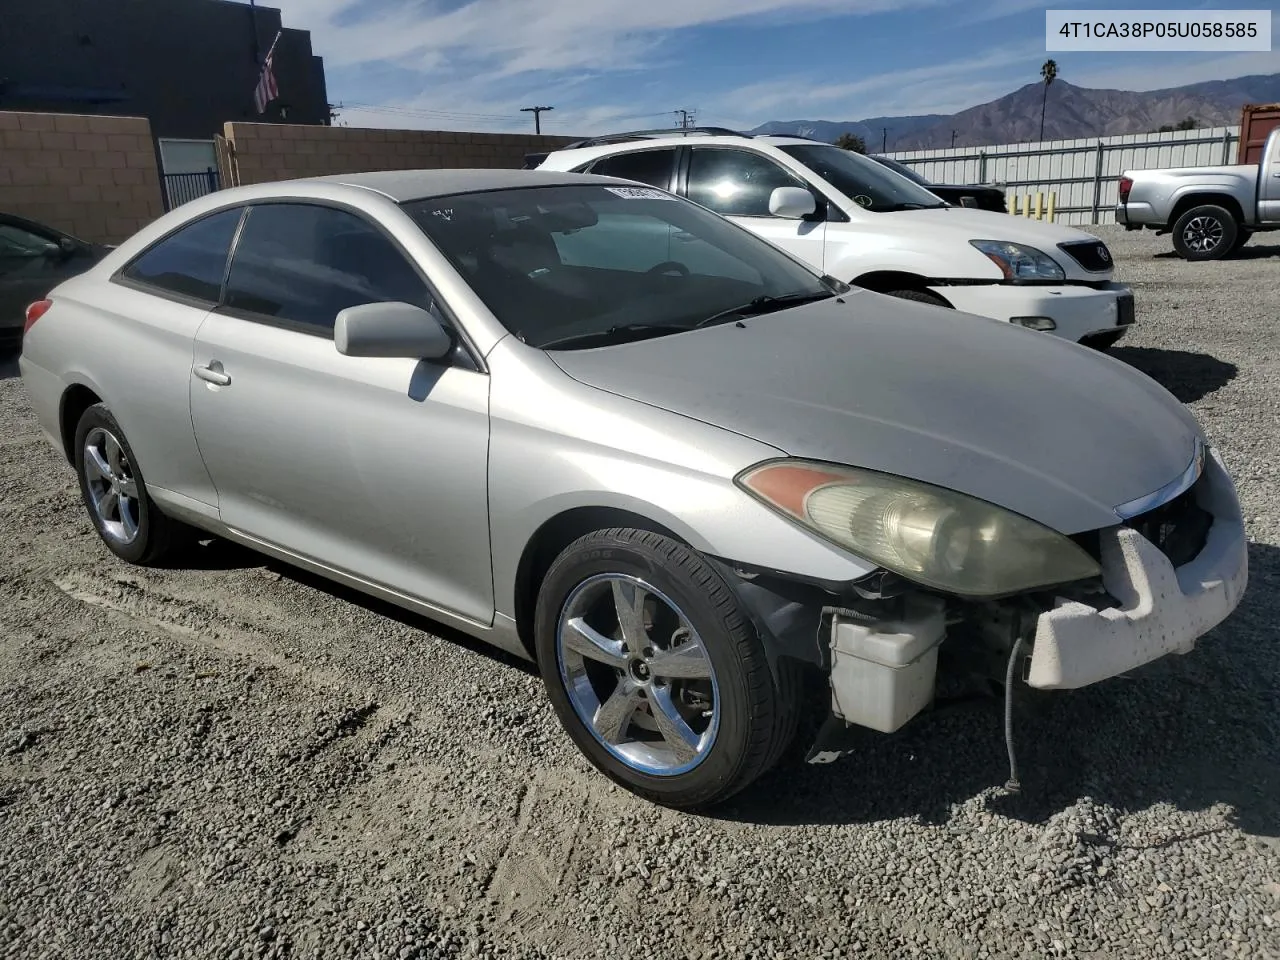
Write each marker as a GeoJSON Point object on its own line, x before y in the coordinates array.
{"type": "Point", "coordinates": [686, 120]}
{"type": "Point", "coordinates": [953, 139]}
{"type": "Point", "coordinates": [253, 20]}
{"type": "Point", "coordinates": [884, 140]}
{"type": "Point", "coordinates": [537, 116]}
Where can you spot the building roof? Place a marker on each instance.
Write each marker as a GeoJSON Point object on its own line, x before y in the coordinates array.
{"type": "Point", "coordinates": [402, 185]}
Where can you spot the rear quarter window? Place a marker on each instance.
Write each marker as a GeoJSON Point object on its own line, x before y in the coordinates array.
{"type": "Point", "coordinates": [189, 262]}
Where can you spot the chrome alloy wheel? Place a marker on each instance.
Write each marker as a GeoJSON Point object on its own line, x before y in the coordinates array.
{"type": "Point", "coordinates": [113, 491]}
{"type": "Point", "coordinates": [1202, 234]}
{"type": "Point", "coordinates": [637, 674]}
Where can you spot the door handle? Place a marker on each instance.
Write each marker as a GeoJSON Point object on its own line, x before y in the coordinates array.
{"type": "Point", "coordinates": [214, 376]}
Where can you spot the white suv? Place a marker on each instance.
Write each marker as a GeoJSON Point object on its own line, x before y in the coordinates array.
{"type": "Point", "coordinates": [866, 224]}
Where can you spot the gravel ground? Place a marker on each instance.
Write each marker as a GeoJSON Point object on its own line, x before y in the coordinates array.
{"type": "Point", "coordinates": [236, 760]}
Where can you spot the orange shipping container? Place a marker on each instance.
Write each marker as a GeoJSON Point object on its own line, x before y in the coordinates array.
{"type": "Point", "coordinates": [1257, 120]}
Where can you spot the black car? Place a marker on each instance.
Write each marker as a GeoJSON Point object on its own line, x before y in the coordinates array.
{"type": "Point", "coordinates": [966, 195]}
{"type": "Point", "coordinates": [34, 259]}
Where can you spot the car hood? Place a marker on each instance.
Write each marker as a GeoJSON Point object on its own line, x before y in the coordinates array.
{"type": "Point", "coordinates": [1054, 431]}
{"type": "Point", "coordinates": [989, 225]}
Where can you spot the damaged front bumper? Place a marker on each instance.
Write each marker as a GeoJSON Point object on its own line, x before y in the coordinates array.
{"type": "Point", "coordinates": [883, 672]}
{"type": "Point", "coordinates": [1161, 609]}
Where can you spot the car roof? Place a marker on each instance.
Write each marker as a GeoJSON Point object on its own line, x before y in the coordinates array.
{"type": "Point", "coordinates": [405, 185]}
{"type": "Point", "coordinates": [608, 148]}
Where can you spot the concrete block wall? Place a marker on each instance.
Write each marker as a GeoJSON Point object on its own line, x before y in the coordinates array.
{"type": "Point", "coordinates": [261, 152]}
{"type": "Point", "coordinates": [93, 177]}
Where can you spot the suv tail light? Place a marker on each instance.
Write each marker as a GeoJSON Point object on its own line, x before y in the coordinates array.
{"type": "Point", "coordinates": [35, 312]}
{"type": "Point", "coordinates": [1125, 186]}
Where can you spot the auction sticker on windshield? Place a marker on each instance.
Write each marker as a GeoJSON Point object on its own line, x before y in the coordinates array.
{"type": "Point", "coordinates": [640, 193]}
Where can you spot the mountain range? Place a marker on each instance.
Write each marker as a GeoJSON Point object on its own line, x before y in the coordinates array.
{"type": "Point", "coordinates": [1071, 112]}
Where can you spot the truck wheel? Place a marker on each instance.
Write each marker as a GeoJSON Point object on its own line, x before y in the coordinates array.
{"type": "Point", "coordinates": [1208, 232]}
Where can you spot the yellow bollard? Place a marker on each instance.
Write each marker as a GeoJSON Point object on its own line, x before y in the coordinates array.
{"type": "Point", "coordinates": [1039, 205]}
{"type": "Point", "coordinates": [1026, 206]}
{"type": "Point", "coordinates": [1052, 198]}
{"type": "Point", "coordinates": [1013, 204]}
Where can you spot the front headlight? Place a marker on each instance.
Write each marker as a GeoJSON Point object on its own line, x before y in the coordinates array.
{"type": "Point", "coordinates": [935, 537]}
{"type": "Point", "coordinates": [1018, 262]}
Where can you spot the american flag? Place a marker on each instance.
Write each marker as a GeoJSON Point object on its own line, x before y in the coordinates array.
{"type": "Point", "coordinates": [266, 90]}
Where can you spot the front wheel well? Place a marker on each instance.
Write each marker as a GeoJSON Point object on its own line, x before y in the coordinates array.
{"type": "Point", "coordinates": [1224, 200]}
{"type": "Point", "coordinates": [75, 401]}
{"type": "Point", "coordinates": [549, 542]}
{"type": "Point", "coordinates": [890, 281]}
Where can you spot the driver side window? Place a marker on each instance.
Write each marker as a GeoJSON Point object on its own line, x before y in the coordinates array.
{"type": "Point", "coordinates": [735, 183]}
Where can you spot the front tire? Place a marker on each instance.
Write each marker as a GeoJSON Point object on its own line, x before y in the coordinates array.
{"type": "Point", "coordinates": [115, 495]}
{"type": "Point", "coordinates": [655, 672]}
{"type": "Point", "coordinates": [1207, 232]}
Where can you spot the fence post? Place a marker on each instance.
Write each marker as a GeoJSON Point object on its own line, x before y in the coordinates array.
{"type": "Point", "coordinates": [982, 166]}
{"type": "Point", "coordinates": [1097, 184]}
{"type": "Point", "coordinates": [212, 175]}
{"type": "Point", "coordinates": [1226, 147]}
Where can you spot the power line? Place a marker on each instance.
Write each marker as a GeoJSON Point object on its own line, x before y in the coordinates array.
{"type": "Point", "coordinates": [537, 116]}
{"type": "Point", "coordinates": [686, 118]}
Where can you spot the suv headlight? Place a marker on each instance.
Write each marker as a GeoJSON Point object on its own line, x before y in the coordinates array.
{"type": "Point", "coordinates": [935, 537]}
{"type": "Point", "coordinates": [1018, 262]}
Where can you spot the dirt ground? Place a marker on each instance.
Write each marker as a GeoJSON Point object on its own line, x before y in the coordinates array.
{"type": "Point", "coordinates": [234, 759]}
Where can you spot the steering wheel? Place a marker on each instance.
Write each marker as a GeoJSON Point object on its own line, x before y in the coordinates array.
{"type": "Point", "coordinates": [669, 266]}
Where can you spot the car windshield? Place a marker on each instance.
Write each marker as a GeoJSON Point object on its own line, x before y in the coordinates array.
{"type": "Point", "coordinates": [567, 267]}
{"type": "Point", "coordinates": [901, 168]}
{"type": "Point", "coordinates": [862, 180]}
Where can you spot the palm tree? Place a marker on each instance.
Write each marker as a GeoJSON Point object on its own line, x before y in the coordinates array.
{"type": "Point", "coordinates": [1048, 73]}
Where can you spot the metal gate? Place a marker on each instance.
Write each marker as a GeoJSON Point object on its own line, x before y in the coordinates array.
{"type": "Point", "coordinates": [181, 187]}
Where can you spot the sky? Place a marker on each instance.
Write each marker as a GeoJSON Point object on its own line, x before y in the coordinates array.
{"type": "Point", "coordinates": [626, 64]}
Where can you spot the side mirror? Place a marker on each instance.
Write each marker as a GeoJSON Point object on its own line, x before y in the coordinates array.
{"type": "Point", "coordinates": [390, 330]}
{"type": "Point", "coordinates": [68, 247]}
{"type": "Point", "coordinates": [792, 203]}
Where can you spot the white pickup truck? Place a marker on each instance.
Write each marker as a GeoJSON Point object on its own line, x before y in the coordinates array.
{"type": "Point", "coordinates": [858, 221]}
{"type": "Point", "coordinates": [1211, 211]}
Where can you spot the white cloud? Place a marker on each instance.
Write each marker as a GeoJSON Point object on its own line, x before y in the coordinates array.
{"type": "Point", "coordinates": [513, 53]}
{"type": "Point", "coordinates": [936, 88]}
{"type": "Point", "coordinates": [518, 36]}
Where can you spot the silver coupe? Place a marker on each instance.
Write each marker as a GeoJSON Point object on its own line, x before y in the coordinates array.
{"type": "Point", "coordinates": [603, 428]}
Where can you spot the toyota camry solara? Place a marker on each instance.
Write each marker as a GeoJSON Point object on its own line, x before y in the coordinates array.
{"type": "Point", "coordinates": [603, 428]}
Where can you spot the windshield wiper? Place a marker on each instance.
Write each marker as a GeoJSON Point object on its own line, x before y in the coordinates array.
{"type": "Point", "coordinates": [616, 334]}
{"type": "Point", "coordinates": [765, 304]}
{"type": "Point", "coordinates": [913, 206]}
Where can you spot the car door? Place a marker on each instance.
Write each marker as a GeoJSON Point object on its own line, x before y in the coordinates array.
{"type": "Point", "coordinates": [375, 467]}
{"type": "Point", "coordinates": [139, 353]}
{"type": "Point", "coordinates": [737, 183]}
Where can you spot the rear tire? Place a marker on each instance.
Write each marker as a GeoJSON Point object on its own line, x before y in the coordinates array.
{"type": "Point", "coordinates": [919, 296]}
{"type": "Point", "coordinates": [115, 495]}
{"type": "Point", "coordinates": [732, 718]}
{"type": "Point", "coordinates": [1206, 232]}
